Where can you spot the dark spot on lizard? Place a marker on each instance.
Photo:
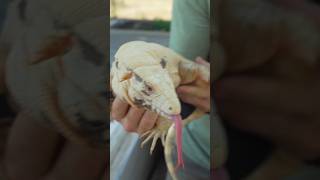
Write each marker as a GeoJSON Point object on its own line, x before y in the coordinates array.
{"type": "Point", "coordinates": [138, 102]}
{"type": "Point", "coordinates": [163, 63]}
{"type": "Point", "coordinates": [90, 52]}
{"type": "Point", "coordinates": [148, 88]}
{"type": "Point", "coordinates": [145, 93]}
{"type": "Point", "coordinates": [117, 64]}
{"type": "Point", "coordinates": [142, 103]}
{"type": "Point", "coordinates": [148, 106]}
{"type": "Point", "coordinates": [22, 6]}
{"type": "Point", "coordinates": [138, 78]}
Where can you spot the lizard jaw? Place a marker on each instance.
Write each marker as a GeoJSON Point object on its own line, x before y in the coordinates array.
{"type": "Point", "coordinates": [169, 116]}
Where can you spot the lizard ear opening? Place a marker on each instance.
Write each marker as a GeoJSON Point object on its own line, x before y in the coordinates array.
{"type": "Point", "coordinates": [126, 76]}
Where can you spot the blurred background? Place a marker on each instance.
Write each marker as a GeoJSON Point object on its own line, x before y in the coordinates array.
{"type": "Point", "coordinates": [40, 139]}
{"type": "Point", "coordinates": [146, 20]}
{"type": "Point", "coordinates": [3, 6]}
{"type": "Point", "coordinates": [147, 14]}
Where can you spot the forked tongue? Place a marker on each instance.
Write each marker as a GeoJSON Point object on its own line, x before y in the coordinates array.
{"type": "Point", "coordinates": [178, 125]}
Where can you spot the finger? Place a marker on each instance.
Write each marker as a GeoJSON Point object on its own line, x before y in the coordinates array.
{"type": "Point", "coordinates": [147, 122]}
{"type": "Point", "coordinates": [132, 120]}
{"type": "Point", "coordinates": [203, 72]}
{"type": "Point", "coordinates": [195, 91]}
{"type": "Point", "coordinates": [119, 109]}
{"type": "Point", "coordinates": [31, 147]}
{"type": "Point", "coordinates": [200, 60]}
{"type": "Point", "coordinates": [203, 104]}
{"type": "Point", "coordinates": [78, 162]}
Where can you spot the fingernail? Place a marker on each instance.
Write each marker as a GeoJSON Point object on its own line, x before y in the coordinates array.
{"type": "Point", "coordinates": [179, 90]}
{"type": "Point", "coordinates": [198, 59]}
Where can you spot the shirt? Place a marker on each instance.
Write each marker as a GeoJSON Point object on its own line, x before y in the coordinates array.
{"type": "Point", "coordinates": [190, 37]}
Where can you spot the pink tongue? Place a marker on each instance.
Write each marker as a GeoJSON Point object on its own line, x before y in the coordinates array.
{"type": "Point", "coordinates": [178, 125]}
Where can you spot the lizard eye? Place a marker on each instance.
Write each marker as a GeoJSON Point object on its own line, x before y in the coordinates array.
{"type": "Point", "coordinates": [149, 88]}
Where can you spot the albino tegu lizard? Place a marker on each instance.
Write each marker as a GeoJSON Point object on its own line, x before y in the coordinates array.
{"type": "Point", "coordinates": [146, 75]}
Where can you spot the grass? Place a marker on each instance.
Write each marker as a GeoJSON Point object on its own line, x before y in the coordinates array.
{"type": "Point", "coordinates": [153, 25]}
{"type": "Point", "coordinates": [161, 25]}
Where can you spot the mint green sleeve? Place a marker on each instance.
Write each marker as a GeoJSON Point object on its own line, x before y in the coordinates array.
{"type": "Point", "coordinates": [189, 34]}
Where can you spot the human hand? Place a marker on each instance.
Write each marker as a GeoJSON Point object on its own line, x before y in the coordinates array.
{"type": "Point", "coordinates": [198, 92]}
{"type": "Point", "coordinates": [37, 152]}
{"type": "Point", "coordinates": [133, 119]}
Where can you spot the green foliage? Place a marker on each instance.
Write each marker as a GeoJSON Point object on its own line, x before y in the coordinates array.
{"type": "Point", "coordinates": [161, 25]}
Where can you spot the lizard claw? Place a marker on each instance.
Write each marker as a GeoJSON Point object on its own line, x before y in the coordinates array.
{"type": "Point", "coordinates": [163, 140]}
{"type": "Point", "coordinates": [154, 135]}
{"type": "Point", "coordinates": [147, 139]}
{"type": "Point", "coordinates": [144, 134]}
{"type": "Point", "coordinates": [154, 142]}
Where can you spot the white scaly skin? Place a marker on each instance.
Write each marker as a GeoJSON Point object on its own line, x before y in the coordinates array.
{"type": "Point", "coordinates": [146, 75]}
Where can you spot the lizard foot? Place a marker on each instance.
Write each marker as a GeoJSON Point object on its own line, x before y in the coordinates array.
{"type": "Point", "coordinates": [153, 134]}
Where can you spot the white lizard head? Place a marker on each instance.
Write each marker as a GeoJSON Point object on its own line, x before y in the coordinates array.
{"type": "Point", "coordinates": [151, 87]}
{"type": "Point", "coordinates": [146, 79]}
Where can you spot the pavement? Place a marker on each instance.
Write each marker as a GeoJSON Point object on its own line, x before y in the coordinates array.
{"type": "Point", "coordinates": [118, 37]}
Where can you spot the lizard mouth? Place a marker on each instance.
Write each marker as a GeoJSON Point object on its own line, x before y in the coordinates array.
{"type": "Point", "coordinates": [163, 113]}
{"type": "Point", "coordinates": [169, 116]}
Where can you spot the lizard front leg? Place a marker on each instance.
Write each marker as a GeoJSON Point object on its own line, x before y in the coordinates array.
{"type": "Point", "coordinates": [190, 71]}
{"type": "Point", "coordinates": [159, 131]}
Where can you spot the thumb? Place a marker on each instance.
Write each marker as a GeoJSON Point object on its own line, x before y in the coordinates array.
{"type": "Point", "coordinates": [203, 69]}
{"type": "Point", "coordinates": [201, 61]}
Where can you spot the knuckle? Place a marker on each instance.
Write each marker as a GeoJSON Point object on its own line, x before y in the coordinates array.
{"type": "Point", "coordinates": [113, 112]}
{"type": "Point", "coordinates": [138, 110]}
{"type": "Point", "coordinates": [147, 124]}
{"type": "Point", "coordinates": [149, 120]}
{"type": "Point", "coordinates": [115, 115]}
{"type": "Point", "coordinates": [129, 127]}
